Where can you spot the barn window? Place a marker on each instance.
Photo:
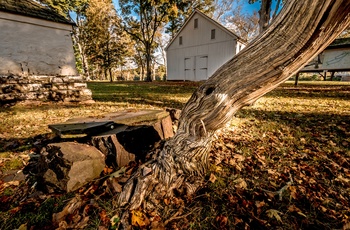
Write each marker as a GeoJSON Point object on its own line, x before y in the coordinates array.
{"type": "Point", "coordinates": [196, 23]}
{"type": "Point", "coordinates": [180, 40]}
{"type": "Point", "coordinates": [213, 34]}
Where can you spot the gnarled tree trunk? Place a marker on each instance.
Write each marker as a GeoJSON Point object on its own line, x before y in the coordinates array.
{"type": "Point", "coordinates": [302, 30]}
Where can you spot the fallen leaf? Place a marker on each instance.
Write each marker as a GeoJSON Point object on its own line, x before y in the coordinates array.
{"type": "Point", "coordinates": [23, 227]}
{"type": "Point", "coordinates": [104, 217]}
{"type": "Point", "coordinates": [115, 220]}
{"type": "Point", "coordinates": [222, 220]}
{"type": "Point", "coordinates": [273, 213]}
{"type": "Point", "coordinates": [346, 226]}
{"type": "Point", "coordinates": [70, 208]}
{"type": "Point", "coordinates": [139, 219]}
{"type": "Point", "coordinates": [293, 208]}
{"type": "Point", "coordinates": [113, 183]}
{"type": "Point", "coordinates": [260, 204]}
{"type": "Point", "coordinates": [212, 178]}
{"type": "Point", "coordinates": [166, 201]}
{"type": "Point", "coordinates": [323, 208]}
{"type": "Point", "coordinates": [293, 191]}
{"type": "Point", "coordinates": [240, 183]}
{"type": "Point", "coordinates": [118, 173]}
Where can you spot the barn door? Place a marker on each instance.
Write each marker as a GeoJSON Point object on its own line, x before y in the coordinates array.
{"type": "Point", "coordinates": [189, 69]}
{"type": "Point", "coordinates": [201, 68]}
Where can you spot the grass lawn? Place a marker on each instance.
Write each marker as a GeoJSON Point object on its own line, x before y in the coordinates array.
{"type": "Point", "coordinates": [282, 163]}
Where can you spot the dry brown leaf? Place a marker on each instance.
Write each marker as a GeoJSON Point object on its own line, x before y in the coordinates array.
{"type": "Point", "coordinates": [240, 183]}
{"type": "Point", "coordinates": [212, 178]}
{"type": "Point", "coordinates": [104, 217]}
{"type": "Point", "coordinates": [260, 204]}
{"type": "Point", "coordinates": [293, 192]}
{"type": "Point", "coordinates": [139, 219]}
{"type": "Point", "coordinates": [273, 213]}
{"type": "Point", "coordinates": [166, 201]}
{"type": "Point", "coordinates": [293, 208]}
{"type": "Point", "coordinates": [113, 183]}
{"type": "Point", "coordinates": [70, 208]}
{"type": "Point", "coordinates": [23, 227]}
{"type": "Point", "coordinates": [222, 220]}
{"type": "Point", "coordinates": [346, 226]}
{"type": "Point", "coordinates": [239, 157]}
{"type": "Point", "coordinates": [323, 208]}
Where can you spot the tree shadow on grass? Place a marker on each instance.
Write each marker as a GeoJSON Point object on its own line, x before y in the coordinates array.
{"type": "Point", "coordinates": [341, 92]}
{"type": "Point", "coordinates": [319, 127]}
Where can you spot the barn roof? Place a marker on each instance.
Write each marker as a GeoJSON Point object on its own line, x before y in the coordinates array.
{"type": "Point", "coordinates": [211, 20]}
{"type": "Point", "coordinates": [32, 9]}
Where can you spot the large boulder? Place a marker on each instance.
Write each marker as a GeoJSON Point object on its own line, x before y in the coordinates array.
{"type": "Point", "coordinates": [66, 166]}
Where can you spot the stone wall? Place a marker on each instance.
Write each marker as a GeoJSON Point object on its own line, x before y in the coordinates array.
{"type": "Point", "coordinates": [43, 88]}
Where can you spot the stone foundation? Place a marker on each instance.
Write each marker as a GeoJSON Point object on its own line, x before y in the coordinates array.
{"type": "Point", "coordinates": [43, 88]}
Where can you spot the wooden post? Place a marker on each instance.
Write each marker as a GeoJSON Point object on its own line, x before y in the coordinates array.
{"type": "Point", "coordinates": [332, 75]}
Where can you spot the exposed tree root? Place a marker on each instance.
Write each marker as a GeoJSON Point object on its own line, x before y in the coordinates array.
{"type": "Point", "coordinates": [160, 178]}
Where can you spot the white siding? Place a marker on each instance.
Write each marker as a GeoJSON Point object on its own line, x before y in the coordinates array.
{"type": "Point", "coordinates": [35, 46]}
{"type": "Point", "coordinates": [199, 56]}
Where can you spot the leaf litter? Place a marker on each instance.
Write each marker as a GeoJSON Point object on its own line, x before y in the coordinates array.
{"type": "Point", "coordinates": [274, 167]}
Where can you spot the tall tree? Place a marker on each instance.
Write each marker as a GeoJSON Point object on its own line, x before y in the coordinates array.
{"type": "Point", "coordinates": [142, 20]}
{"type": "Point", "coordinates": [243, 24]}
{"type": "Point", "coordinates": [63, 7]}
{"type": "Point", "coordinates": [107, 44]}
{"type": "Point", "coordinates": [265, 12]}
{"type": "Point", "coordinates": [183, 10]}
{"type": "Point", "coordinates": [222, 7]}
{"type": "Point", "coordinates": [301, 31]}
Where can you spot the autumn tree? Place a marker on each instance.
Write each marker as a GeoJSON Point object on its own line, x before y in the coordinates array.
{"type": "Point", "coordinates": [64, 7]}
{"type": "Point", "coordinates": [301, 31]}
{"type": "Point", "coordinates": [142, 19]}
{"type": "Point", "coordinates": [106, 42]}
{"type": "Point", "coordinates": [183, 10]}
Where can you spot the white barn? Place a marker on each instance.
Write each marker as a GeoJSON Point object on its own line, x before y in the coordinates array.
{"type": "Point", "coordinates": [200, 47]}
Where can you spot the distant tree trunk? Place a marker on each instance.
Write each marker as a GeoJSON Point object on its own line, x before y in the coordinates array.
{"type": "Point", "coordinates": [264, 14]}
{"type": "Point", "coordinates": [148, 63]}
{"type": "Point", "coordinates": [301, 31]}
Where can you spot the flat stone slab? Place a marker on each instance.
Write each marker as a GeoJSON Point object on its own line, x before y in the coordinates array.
{"type": "Point", "coordinates": [81, 128]}
{"type": "Point", "coordinates": [126, 117]}
{"type": "Point", "coordinates": [107, 122]}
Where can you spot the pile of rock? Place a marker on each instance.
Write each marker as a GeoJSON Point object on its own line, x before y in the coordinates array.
{"type": "Point", "coordinates": [67, 166]}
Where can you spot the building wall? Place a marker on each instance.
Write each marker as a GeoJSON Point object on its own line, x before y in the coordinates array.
{"type": "Point", "coordinates": [199, 56]}
{"type": "Point", "coordinates": [330, 59]}
{"type": "Point", "coordinates": [30, 46]}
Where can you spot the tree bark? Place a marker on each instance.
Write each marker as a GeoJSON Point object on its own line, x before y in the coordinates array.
{"type": "Point", "coordinates": [264, 15]}
{"type": "Point", "coordinates": [301, 31]}
{"type": "Point", "coordinates": [148, 64]}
